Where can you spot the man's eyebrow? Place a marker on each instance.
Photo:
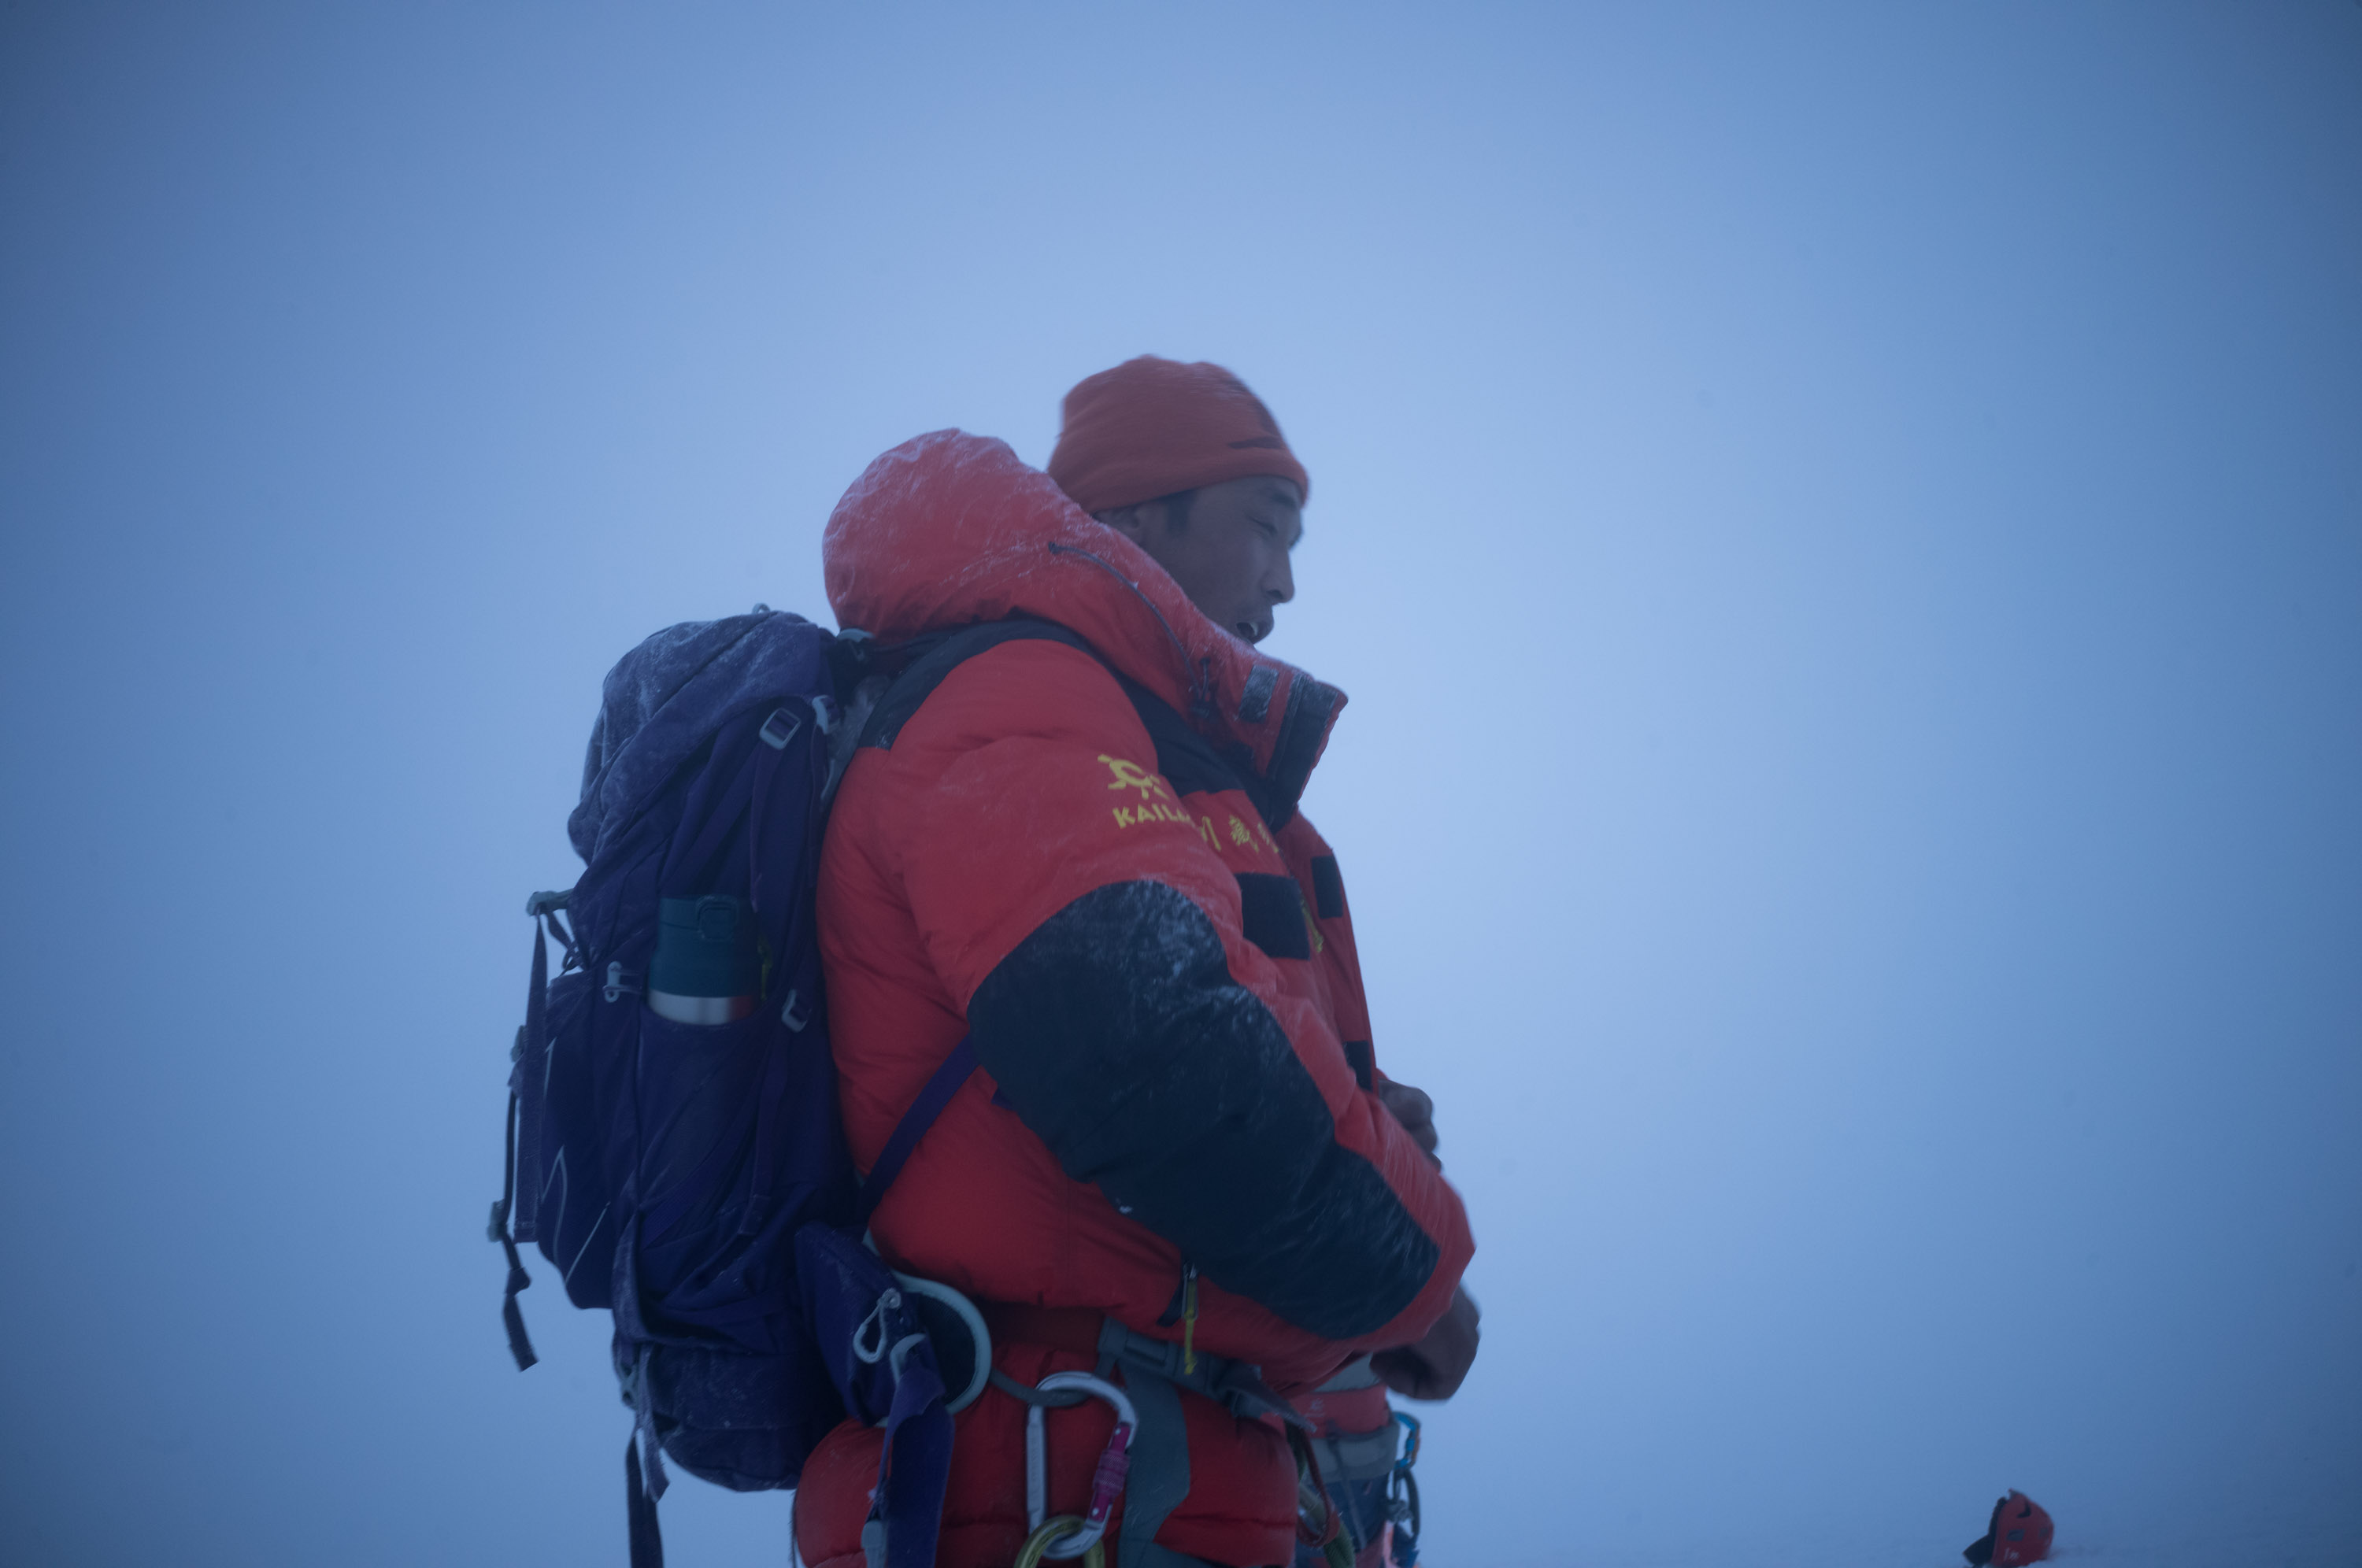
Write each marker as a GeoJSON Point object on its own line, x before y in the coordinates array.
{"type": "Point", "coordinates": [1280, 492]}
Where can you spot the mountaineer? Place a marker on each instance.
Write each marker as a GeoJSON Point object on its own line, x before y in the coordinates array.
{"type": "Point", "coordinates": [1073, 843]}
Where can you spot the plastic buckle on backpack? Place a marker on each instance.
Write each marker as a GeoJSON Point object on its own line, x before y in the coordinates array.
{"type": "Point", "coordinates": [780, 729]}
{"type": "Point", "coordinates": [620, 980]}
{"type": "Point", "coordinates": [792, 1019]}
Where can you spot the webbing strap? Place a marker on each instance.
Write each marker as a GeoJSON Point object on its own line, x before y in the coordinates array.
{"type": "Point", "coordinates": [511, 1318]}
{"type": "Point", "coordinates": [528, 1078]}
{"type": "Point", "coordinates": [533, 1046]}
{"type": "Point", "coordinates": [1357, 1456]}
{"type": "Point", "coordinates": [760, 1200]}
{"type": "Point", "coordinates": [1160, 1467]}
{"type": "Point", "coordinates": [1234, 1385]}
{"type": "Point", "coordinates": [640, 1510]}
{"type": "Point", "coordinates": [767, 777]}
{"type": "Point", "coordinates": [514, 1216]}
{"type": "Point", "coordinates": [906, 1506]}
{"type": "Point", "coordinates": [913, 1126]}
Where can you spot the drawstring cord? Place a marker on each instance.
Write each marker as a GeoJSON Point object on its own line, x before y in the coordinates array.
{"type": "Point", "coordinates": [1201, 681]}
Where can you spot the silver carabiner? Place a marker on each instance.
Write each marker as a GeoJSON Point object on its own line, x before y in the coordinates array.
{"type": "Point", "coordinates": [1106, 1479]}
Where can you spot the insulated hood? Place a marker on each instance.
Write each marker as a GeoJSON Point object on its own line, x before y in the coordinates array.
{"type": "Point", "coordinates": [949, 529]}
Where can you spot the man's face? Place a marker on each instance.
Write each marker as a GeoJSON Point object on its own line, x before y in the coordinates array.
{"type": "Point", "coordinates": [1230, 553]}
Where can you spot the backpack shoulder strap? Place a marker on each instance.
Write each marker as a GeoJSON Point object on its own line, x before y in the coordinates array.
{"type": "Point", "coordinates": [1183, 755]}
{"type": "Point", "coordinates": [913, 1126]}
{"type": "Point", "coordinates": [931, 658]}
{"type": "Point", "coordinates": [925, 664]}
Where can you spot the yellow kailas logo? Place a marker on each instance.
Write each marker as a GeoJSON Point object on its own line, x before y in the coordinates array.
{"type": "Point", "coordinates": [1129, 776]}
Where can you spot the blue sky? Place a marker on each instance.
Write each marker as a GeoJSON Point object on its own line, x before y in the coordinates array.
{"type": "Point", "coordinates": [1842, 527]}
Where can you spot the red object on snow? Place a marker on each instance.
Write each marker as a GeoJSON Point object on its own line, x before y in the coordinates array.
{"type": "Point", "coordinates": [2020, 1534]}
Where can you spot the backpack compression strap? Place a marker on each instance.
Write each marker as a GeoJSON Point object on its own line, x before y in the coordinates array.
{"type": "Point", "coordinates": [876, 1350]}
{"type": "Point", "coordinates": [913, 1126]}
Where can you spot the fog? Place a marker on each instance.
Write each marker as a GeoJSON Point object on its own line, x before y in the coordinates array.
{"type": "Point", "coordinates": [1842, 527]}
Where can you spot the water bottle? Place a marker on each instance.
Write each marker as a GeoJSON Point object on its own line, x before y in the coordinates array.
{"type": "Point", "coordinates": [705, 969]}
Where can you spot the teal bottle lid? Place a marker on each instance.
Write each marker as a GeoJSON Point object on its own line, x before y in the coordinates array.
{"type": "Point", "coordinates": [706, 966]}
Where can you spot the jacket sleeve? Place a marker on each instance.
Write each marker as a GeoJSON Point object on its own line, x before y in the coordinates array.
{"type": "Point", "coordinates": [1070, 899]}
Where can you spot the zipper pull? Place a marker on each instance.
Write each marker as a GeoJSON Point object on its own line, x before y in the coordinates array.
{"type": "Point", "coordinates": [1189, 1319]}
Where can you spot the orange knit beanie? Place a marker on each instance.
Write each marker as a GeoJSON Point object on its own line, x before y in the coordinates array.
{"type": "Point", "coordinates": [1152, 426]}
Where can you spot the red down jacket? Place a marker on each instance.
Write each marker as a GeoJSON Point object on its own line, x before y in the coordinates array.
{"type": "Point", "coordinates": [1151, 949]}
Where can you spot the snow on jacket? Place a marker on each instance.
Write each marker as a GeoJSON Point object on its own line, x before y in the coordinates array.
{"type": "Point", "coordinates": [1151, 948]}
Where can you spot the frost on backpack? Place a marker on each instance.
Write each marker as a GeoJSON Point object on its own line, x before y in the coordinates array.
{"type": "Point", "coordinates": [673, 1139]}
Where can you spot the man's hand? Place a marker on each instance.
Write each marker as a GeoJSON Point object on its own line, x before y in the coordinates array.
{"type": "Point", "coordinates": [1414, 1111]}
{"type": "Point", "coordinates": [1435, 1367]}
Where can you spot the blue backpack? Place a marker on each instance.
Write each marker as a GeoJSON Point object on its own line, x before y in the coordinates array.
{"type": "Point", "coordinates": [687, 1171]}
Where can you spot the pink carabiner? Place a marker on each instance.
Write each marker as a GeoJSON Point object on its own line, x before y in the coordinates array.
{"type": "Point", "coordinates": [1115, 1463]}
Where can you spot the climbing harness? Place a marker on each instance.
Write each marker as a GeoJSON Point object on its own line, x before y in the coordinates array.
{"type": "Point", "coordinates": [1149, 1468]}
{"type": "Point", "coordinates": [1319, 1523]}
{"type": "Point", "coordinates": [1402, 1497]}
{"type": "Point", "coordinates": [1146, 1445]}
